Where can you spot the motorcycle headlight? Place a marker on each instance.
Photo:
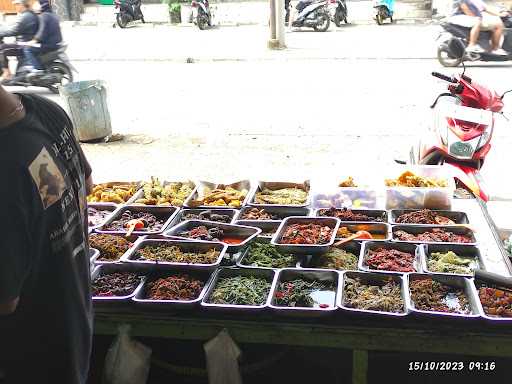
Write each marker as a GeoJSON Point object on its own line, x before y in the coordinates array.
{"type": "Point", "coordinates": [466, 149]}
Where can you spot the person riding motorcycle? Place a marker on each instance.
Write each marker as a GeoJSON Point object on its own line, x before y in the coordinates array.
{"type": "Point", "coordinates": [475, 14]}
{"type": "Point", "coordinates": [24, 30]}
{"type": "Point", "coordinates": [48, 37]}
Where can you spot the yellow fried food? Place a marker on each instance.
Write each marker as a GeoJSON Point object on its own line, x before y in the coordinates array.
{"type": "Point", "coordinates": [112, 193]}
{"type": "Point", "coordinates": [411, 180]}
{"type": "Point", "coordinates": [155, 193]}
{"type": "Point", "coordinates": [283, 196]}
{"type": "Point", "coordinates": [348, 183]}
{"type": "Point", "coordinates": [221, 197]}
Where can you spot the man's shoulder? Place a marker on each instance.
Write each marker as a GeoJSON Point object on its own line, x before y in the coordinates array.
{"type": "Point", "coordinates": [28, 15]}
{"type": "Point", "coordinates": [43, 102]}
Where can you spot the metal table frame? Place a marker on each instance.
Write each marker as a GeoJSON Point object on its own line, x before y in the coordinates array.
{"type": "Point", "coordinates": [478, 338]}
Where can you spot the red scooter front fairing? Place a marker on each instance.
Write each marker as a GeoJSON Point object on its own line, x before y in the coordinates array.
{"type": "Point", "coordinates": [470, 177]}
{"type": "Point", "coordinates": [464, 119]}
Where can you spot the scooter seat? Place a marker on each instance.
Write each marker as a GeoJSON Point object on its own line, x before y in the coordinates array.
{"type": "Point", "coordinates": [463, 32]}
{"type": "Point", "coordinates": [50, 56]}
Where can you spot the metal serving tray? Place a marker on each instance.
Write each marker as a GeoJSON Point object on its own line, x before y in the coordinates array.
{"type": "Point", "coordinates": [110, 184]}
{"type": "Point", "coordinates": [240, 262]}
{"type": "Point", "coordinates": [204, 276]}
{"type": "Point", "coordinates": [467, 251]}
{"type": "Point", "coordinates": [352, 247]}
{"type": "Point", "coordinates": [281, 212]}
{"type": "Point", "coordinates": [305, 186]}
{"type": "Point", "coordinates": [289, 274]}
{"type": "Point", "coordinates": [451, 280]}
{"type": "Point", "coordinates": [166, 213]}
{"type": "Point", "coordinates": [244, 184]}
{"type": "Point", "coordinates": [140, 193]}
{"type": "Point", "coordinates": [495, 319]}
{"type": "Point", "coordinates": [505, 234]}
{"type": "Point", "coordinates": [268, 274]}
{"type": "Point", "coordinates": [305, 249]}
{"type": "Point", "coordinates": [411, 248]}
{"type": "Point", "coordinates": [187, 246]}
{"type": "Point", "coordinates": [417, 229]}
{"type": "Point", "coordinates": [263, 225]}
{"type": "Point", "coordinates": [179, 218]}
{"type": "Point", "coordinates": [455, 216]}
{"type": "Point", "coordinates": [369, 278]}
{"type": "Point", "coordinates": [241, 231]}
{"type": "Point", "coordinates": [111, 207]}
{"type": "Point", "coordinates": [112, 268]}
{"type": "Point", "coordinates": [94, 254]}
{"type": "Point", "coordinates": [373, 228]}
{"type": "Point", "coordinates": [132, 239]}
{"type": "Point", "coordinates": [376, 213]}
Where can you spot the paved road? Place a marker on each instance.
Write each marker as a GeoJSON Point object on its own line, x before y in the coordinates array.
{"type": "Point", "coordinates": [354, 105]}
{"type": "Point", "coordinates": [176, 44]}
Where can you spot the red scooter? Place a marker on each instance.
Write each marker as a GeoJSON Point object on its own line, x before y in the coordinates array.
{"type": "Point", "coordinates": [460, 139]}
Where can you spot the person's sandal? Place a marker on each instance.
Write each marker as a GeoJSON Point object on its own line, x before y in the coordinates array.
{"type": "Point", "coordinates": [474, 49]}
{"type": "Point", "coordinates": [500, 52]}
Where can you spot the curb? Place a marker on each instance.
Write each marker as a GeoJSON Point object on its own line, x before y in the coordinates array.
{"type": "Point", "coordinates": [236, 24]}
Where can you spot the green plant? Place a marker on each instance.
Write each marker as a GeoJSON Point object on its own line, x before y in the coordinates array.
{"type": "Point", "coordinates": [174, 7]}
{"type": "Point", "coordinates": [174, 10]}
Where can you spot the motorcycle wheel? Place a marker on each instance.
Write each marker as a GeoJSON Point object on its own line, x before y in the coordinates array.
{"type": "Point", "coordinates": [202, 22]}
{"type": "Point", "coordinates": [122, 20]}
{"type": "Point", "coordinates": [325, 22]}
{"type": "Point", "coordinates": [379, 18]}
{"type": "Point", "coordinates": [443, 56]}
{"type": "Point", "coordinates": [64, 71]}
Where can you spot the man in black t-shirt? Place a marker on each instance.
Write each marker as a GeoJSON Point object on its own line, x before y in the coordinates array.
{"type": "Point", "coordinates": [45, 305]}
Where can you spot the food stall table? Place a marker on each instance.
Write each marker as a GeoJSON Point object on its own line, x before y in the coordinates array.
{"type": "Point", "coordinates": [477, 337]}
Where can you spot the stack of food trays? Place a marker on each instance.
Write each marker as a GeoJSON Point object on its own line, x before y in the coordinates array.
{"type": "Point", "coordinates": [418, 263]}
{"type": "Point", "coordinates": [343, 192]}
{"type": "Point", "coordinates": [171, 266]}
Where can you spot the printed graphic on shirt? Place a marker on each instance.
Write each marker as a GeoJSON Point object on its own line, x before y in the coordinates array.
{"type": "Point", "coordinates": [48, 178]}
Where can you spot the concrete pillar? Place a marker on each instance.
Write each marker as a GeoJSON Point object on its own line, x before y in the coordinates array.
{"type": "Point", "coordinates": [280, 20]}
{"type": "Point", "coordinates": [272, 19]}
{"type": "Point", "coordinates": [68, 9]}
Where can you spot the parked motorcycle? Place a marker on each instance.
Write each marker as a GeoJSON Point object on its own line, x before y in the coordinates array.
{"type": "Point", "coordinates": [128, 11]}
{"type": "Point", "coordinates": [201, 14]}
{"type": "Point", "coordinates": [313, 14]}
{"type": "Point", "coordinates": [453, 41]}
{"type": "Point", "coordinates": [57, 71]}
{"type": "Point", "coordinates": [338, 11]}
{"type": "Point", "coordinates": [464, 121]}
{"type": "Point", "coordinates": [384, 10]}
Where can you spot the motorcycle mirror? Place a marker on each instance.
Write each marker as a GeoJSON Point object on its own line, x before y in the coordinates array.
{"type": "Point", "coordinates": [502, 96]}
{"type": "Point", "coordinates": [463, 74]}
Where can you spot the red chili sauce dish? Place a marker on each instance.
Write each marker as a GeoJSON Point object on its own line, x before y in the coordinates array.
{"type": "Point", "coordinates": [231, 240]}
{"type": "Point", "coordinates": [383, 259]}
{"type": "Point", "coordinates": [306, 234]}
{"type": "Point", "coordinates": [211, 234]}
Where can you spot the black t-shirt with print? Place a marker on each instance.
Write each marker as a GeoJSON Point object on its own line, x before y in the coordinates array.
{"type": "Point", "coordinates": [44, 255]}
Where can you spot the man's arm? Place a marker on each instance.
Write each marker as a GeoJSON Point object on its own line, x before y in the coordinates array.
{"type": "Point", "coordinates": [42, 27]}
{"type": "Point", "coordinates": [464, 8]}
{"type": "Point", "coordinates": [494, 11]}
{"type": "Point", "coordinates": [12, 30]}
